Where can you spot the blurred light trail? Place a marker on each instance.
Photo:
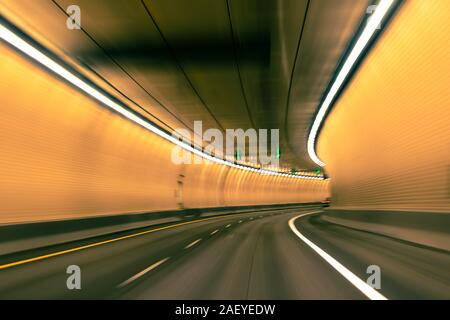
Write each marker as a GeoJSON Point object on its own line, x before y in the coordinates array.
{"type": "Point", "coordinates": [363, 40]}
{"type": "Point", "coordinates": [12, 38]}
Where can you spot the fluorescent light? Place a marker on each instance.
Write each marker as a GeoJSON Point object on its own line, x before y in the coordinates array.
{"type": "Point", "coordinates": [16, 41]}
{"type": "Point", "coordinates": [363, 40]}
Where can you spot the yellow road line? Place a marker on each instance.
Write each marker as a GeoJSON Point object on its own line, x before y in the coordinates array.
{"type": "Point", "coordinates": [96, 244]}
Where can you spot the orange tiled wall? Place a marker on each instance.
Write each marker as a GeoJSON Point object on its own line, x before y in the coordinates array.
{"type": "Point", "coordinates": [386, 144]}
{"type": "Point", "coordinates": [64, 156]}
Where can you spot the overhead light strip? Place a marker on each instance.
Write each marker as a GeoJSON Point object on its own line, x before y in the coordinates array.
{"type": "Point", "coordinates": [367, 34]}
{"type": "Point", "coordinates": [13, 39]}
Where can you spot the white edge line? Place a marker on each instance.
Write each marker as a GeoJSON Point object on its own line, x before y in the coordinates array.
{"type": "Point", "coordinates": [193, 243]}
{"type": "Point", "coordinates": [140, 274]}
{"type": "Point", "coordinates": [367, 290]}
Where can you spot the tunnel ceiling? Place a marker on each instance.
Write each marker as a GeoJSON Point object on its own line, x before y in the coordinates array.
{"type": "Point", "coordinates": [232, 64]}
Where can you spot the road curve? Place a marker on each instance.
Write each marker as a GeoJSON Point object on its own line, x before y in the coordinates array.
{"type": "Point", "coordinates": [245, 256]}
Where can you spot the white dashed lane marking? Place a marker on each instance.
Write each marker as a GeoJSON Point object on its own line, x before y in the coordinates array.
{"type": "Point", "coordinates": [193, 243]}
{"type": "Point", "coordinates": [140, 274]}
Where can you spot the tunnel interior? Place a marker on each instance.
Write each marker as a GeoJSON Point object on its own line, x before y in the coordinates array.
{"type": "Point", "coordinates": [123, 122]}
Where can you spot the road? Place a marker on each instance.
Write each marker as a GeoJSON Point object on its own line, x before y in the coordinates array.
{"type": "Point", "coordinates": [243, 256]}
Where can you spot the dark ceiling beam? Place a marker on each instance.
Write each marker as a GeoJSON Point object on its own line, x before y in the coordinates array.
{"type": "Point", "coordinates": [180, 67]}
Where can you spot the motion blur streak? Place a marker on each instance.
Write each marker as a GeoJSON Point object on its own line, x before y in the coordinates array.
{"type": "Point", "coordinates": [40, 57]}
{"type": "Point", "coordinates": [63, 155]}
{"type": "Point", "coordinates": [363, 40]}
{"type": "Point", "coordinates": [386, 142]}
{"type": "Point", "coordinates": [58, 253]}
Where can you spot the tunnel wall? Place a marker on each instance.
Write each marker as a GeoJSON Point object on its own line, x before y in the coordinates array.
{"type": "Point", "coordinates": [65, 156]}
{"type": "Point", "coordinates": [386, 144]}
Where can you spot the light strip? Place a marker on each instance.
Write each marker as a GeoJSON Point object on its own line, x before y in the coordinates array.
{"type": "Point", "coordinates": [16, 41]}
{"type": "Point", "coordinates": [368, 32]}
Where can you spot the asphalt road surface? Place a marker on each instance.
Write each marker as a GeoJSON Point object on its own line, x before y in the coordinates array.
{"type": "Point", "coordinates": [254, 255]}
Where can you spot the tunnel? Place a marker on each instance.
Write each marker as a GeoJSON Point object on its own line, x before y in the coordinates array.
{"type": "Point", "coordinates": [225, 149]}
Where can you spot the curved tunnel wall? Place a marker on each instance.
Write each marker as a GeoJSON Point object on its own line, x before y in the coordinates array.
{"type": "Point", "coordinates": [65, 156]}
{"type": "Point", "coordinates": [386, 144]}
